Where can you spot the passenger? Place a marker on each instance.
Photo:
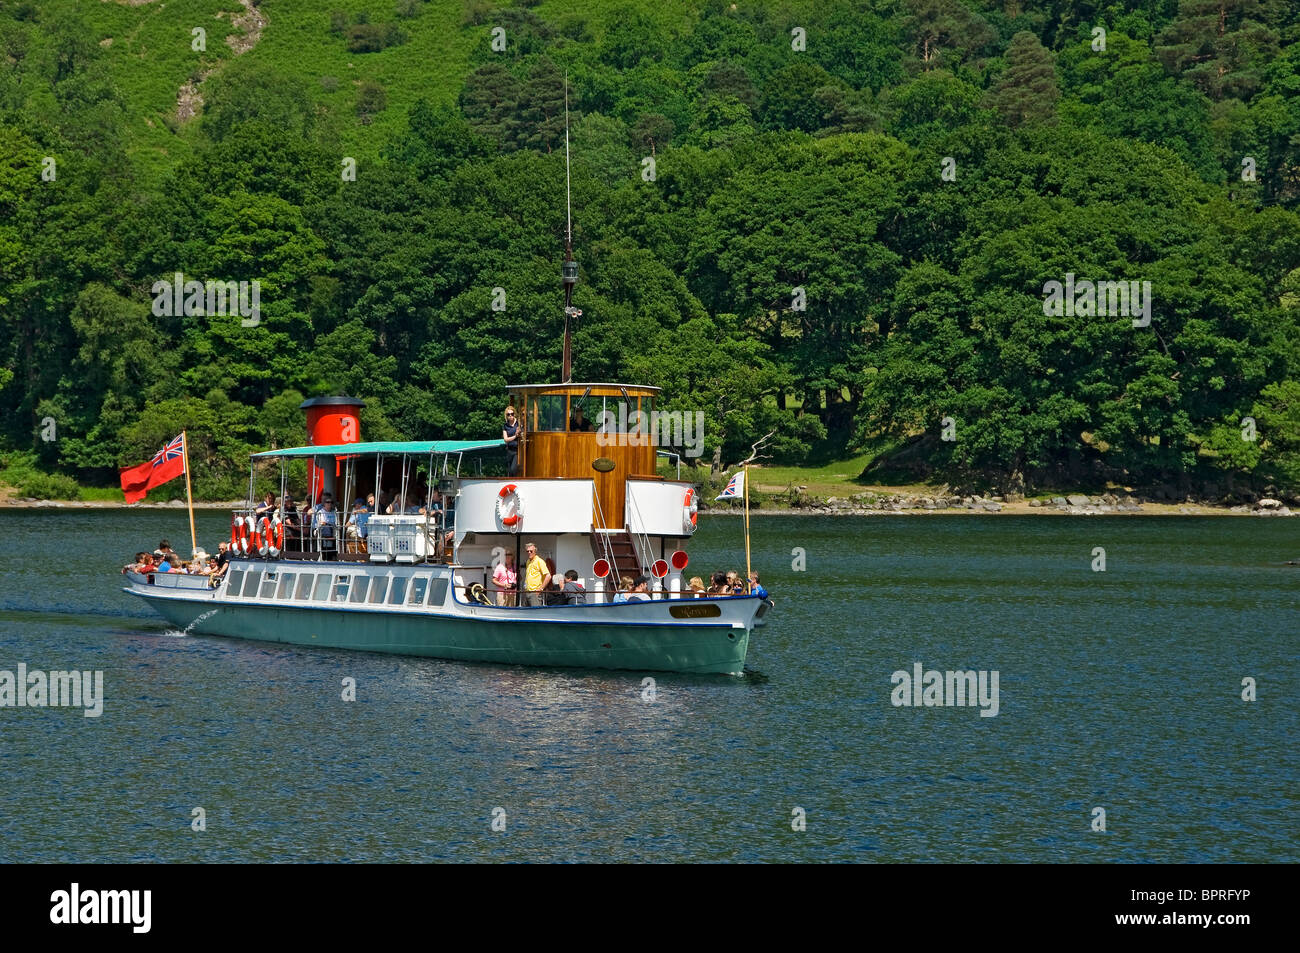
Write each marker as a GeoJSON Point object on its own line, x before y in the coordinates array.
{"type": "Point", "coordinates": [266, 507]}
{"type": "Point", "coordinates": [624, 585]}
{"type": "Point", "coordinates": [553, 595]}
{"type": "Point", "coordinates": [511, 433]}
{"type": "Point", "coordinates": [756, 587]}
{"type": "Point", "coordinates": [695, 588]}
{"type": "Point", "coordinates": [718, 586]}
{"type": "Point", "coordinates": [639, 593]}
{"type": "Point", "coordinates": [578, 422]}
{"type": "Point", "coordinates": [134, 565]}
{"type": "Point", "coordinates": [537, 576]}
{"type": "Point", "coordinates": [161, 562]}
{"type": "Point", "coordinates": [574, 592]}
{"type": "Point", "coordinates": [326, 527]}
{"type": "Point", "coordinates": [290, 525]}
{"type": "Point", "coordinates": [305, 525]}
{"type": "Point", "coordinates": [222, 560]}
{"type": "Point", "coordinates": [356, 528]}
{"type": "Point", "coordinates": [506, 578]}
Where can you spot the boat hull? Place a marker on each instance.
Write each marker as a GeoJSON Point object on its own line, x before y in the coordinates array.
{"type": "Point", "coordinates": [601, 640]}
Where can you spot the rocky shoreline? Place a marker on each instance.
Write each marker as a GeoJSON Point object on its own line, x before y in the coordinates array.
{"type": "Point", "coordinates": [1074, 504]}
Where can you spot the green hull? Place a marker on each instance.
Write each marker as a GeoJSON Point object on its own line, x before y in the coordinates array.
{"type": "Point", "coordinates": [716, 649]}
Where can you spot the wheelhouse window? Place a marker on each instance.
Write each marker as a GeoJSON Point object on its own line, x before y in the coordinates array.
{"type": "Point", "coordinates": [548, 412]}
{"type": "Point", "coordinates": [584, 413]}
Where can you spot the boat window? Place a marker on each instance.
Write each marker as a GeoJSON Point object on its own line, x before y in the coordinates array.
{"type": "Point", "coordinates": [419, 586]}
{"type": "Point", "coordinates": [438, 591]}
{"type": "Point", "coordinates": [359, 586]}
{"type": "Point", "coordinates": [616, 415]}
{"type": "Point", "coordinates": [590, 407]}
{"type": "Point", "coordinates": [378, 588]}
{"type": "Point", "coordinates": [268, 586]}
{"type": "Point", "coordinates": [236, 580]}
{"type": "Point", "coordinates": [305, 580]}
{"type": "Point", "coordinates": [250, 583]}
{"type": "Point", "coordinates": [548, 412]}
{"type": "Point", "coordinates": [286, 586]}
{"type": "Point", "coordinates": [322, 590]}
{"type": "Point", "coordinates": [399, 591]}
{"type": "Point", "coordinates": [340, 591]}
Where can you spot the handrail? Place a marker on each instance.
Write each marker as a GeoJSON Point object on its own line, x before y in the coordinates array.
{"type": "Point", "coordinates": [604, 534]}
{"type": "Point", "coordinates": [638, 539]}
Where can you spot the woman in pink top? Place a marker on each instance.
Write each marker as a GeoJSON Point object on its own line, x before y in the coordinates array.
{"type": "Point", "coordinates": [506, 577]}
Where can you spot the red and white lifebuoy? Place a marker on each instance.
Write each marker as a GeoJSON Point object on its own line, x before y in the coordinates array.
{"type": "Point", "coordinates": [235, 523]}
{"type": "Point", "coordinates": [254, 537]}
{"type": "Point", "coordinates": [263, 536]}
{"type": "Point", "coordinates": [241, 525]}
{"type": "Point", "coordinates": [276, 538]}
{"type": "Point", "coordinates": [690, 510]}
{"type": "Point", "coordinates": [510, 508]}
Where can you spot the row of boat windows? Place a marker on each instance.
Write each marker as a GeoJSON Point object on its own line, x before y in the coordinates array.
{"type": "Point", "coordinates": [338, 587]}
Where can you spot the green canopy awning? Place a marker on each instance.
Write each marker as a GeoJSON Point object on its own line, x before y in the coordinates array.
{"type": "Point", "coordinates": [413, 447]}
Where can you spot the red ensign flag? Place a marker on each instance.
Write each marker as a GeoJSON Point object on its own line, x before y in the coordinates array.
{"type": "Point", "coordinates": [167, 464]}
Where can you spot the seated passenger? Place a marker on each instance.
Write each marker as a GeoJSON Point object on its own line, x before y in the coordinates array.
{"type": "Point", "coordinates": [756, 587]}
{"type": "Point", "coordinates": [639, 586]}
{"type": "Point", "coordinates": [695, 588]}
{"type": "Point", "coordinates": [578, 422]}
{"type": "Point", "coordinates": [574, 593]}
{"type": "Point", "coordinates": [624, 585]}
{"type": "Point", "coordinates": [266, 507]}
{"type": "Point", "coordinates": [161, 562]}
{"type": "Point", "coordinates": [718, 585]}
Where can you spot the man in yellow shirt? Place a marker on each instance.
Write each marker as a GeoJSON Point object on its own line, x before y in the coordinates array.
{"type": "Point", "coordinates": [537, 576]}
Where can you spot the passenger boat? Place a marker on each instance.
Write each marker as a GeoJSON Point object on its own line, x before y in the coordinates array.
{"type": "Point", "coordinates": [421, 583]}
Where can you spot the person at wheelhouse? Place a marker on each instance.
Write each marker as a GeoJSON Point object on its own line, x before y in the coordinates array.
{"type": "Point", "coordinates": [511, 433]}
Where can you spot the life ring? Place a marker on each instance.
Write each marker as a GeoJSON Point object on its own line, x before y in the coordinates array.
{"type": "Point", "coordinates": [276, 538]}
{"type": "Point", "coordinates": [510, 492]}
{"type": "Point", "coordinates": [252, 542]}
{"type": "Point", "coordinates": [263, 536]}
{"type": "Point", "coordinates": [241, 541]}
{"type": "Point", "coordinates": [235, 523]}
{"type": "Point", "coordinates": [690, 510]}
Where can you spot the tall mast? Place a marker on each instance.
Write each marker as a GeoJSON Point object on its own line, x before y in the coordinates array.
{"type": "Point", "coordinates": [569, 270]}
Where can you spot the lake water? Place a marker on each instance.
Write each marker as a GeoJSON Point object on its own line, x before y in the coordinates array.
{"type": "Point", "coordinates": [1119, 689]}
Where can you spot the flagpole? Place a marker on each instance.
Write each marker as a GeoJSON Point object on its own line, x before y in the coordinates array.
{"type": "Point", "coordinates": [189, 494]}
{"type": "Point", "coordinates": [745, 471]}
